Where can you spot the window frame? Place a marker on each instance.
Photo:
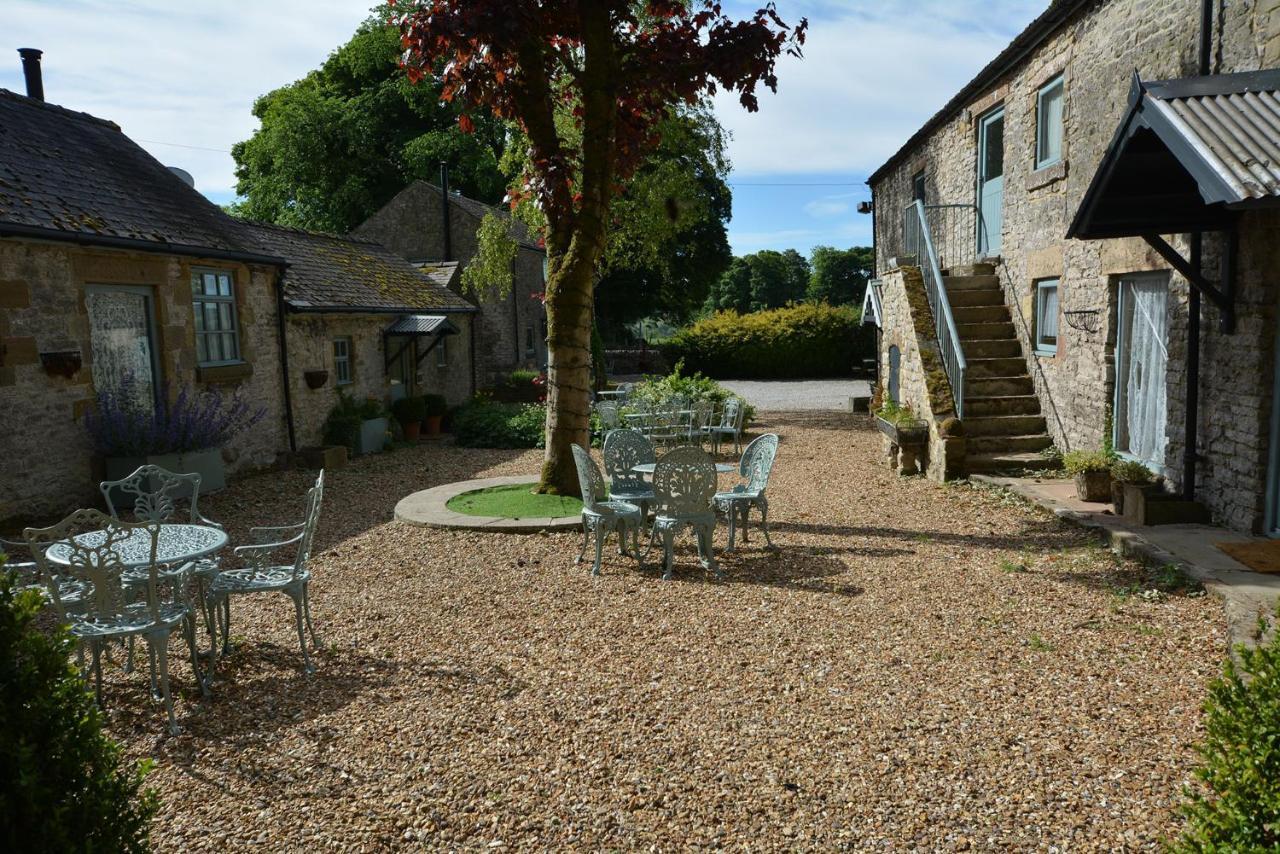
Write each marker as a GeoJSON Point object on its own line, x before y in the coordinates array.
{"type": "Point", "coordinates": [198, 302]}
{"type": "Point", "coordinates": [919, 188]}
{"type": "Point", "coordinates": [442, 352]}
{"type": "Point", "coordinates": [1040, 286]}
{"type": "Point", "coordinates": [346, 359]}
{"type": "Point", "coordinates": [1042, 159]}
{"type": "Point", "coordinates": [530, 342]}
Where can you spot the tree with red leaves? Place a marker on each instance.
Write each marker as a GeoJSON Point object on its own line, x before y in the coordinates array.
{"type": "Point", "coordinates": [617, 67]}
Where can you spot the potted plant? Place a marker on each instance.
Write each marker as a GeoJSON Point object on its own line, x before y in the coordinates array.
{"type": "Point", "coordinates": [1124, 472]}
{"type": "Point", "coordinates": [436, 407]}
{"type": "Point", "coordinates": [410, 412]}
{"type": "Point", "coordinates": [183, 433]}
{"type": "Point", "coordinates": [359, 425]}
{"type": "Point", "coordinates": [899, 423]}
{"type": "Point", "coordinates": [1092, 471]}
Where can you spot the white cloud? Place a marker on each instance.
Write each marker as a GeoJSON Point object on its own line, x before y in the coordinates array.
{"type": "Point", "coordinates": [185, 73]}
{"type": "Point", "coordinates": [823, 208]}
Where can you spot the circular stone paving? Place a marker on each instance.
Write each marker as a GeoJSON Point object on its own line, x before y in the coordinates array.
{"type": "Point", "coordinates": [429, 508]}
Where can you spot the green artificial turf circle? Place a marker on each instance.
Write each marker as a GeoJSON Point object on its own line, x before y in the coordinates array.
{"type": "Point", "coordinates": [515, 501]}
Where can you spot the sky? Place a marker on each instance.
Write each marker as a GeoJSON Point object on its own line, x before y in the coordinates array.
{"type": "Point", "coordinates": [181, 78]}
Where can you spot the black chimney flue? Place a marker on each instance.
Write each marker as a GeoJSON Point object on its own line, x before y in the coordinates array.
{"type": "Point", "coordinates": [31, 71]}
{"type": "Point", "coordinates": [445, 218]}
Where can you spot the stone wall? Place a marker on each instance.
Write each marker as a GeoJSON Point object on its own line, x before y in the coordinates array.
{"type": "Point", "coordinates": [311, 339]}
{"type": "Point", "coordinates": [46, 466]}
{"type": "Point", "coordinates": [1097, 52]}
{"type": "Point", "coordinates": [412, 225]}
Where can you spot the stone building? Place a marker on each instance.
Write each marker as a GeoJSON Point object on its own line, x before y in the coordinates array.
{"type": "Point", "coordinates": [1055, 255]}
{"type": "Point", "coordinates": [511, 328]}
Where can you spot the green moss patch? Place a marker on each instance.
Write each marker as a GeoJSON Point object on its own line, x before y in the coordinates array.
{"type": "Point", "coordinates": [516, 501]}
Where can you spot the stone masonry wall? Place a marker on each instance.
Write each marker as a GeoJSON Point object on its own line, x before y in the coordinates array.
{"type": "Point", "coordinates": [1096, 52]}
{"type": "Point", "coordinates": [46, 467]}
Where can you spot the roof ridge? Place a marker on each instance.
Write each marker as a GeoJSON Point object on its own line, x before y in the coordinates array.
{"type": "Point", "coordinates": [293, 229]}
{"type": "Point", "coordinates": [27, 100]}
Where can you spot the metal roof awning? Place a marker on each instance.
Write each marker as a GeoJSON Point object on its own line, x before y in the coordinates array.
{"type": "Point", "coordinates": [1187, 156]}
{"type": "Point", "coordinates": [871, 310]}
{"type": "Point", "coordinates": [422, 324]}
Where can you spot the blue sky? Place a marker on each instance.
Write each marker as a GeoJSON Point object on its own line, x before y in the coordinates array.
{"type": "Point", "coordinates": [180, 79]}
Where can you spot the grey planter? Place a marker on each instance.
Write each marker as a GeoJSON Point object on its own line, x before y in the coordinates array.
{"type": "Point", "coordinates": [916, 434]}
{"type": "Point", "coordinates": [372, 437]}
{"type": "Point", "coordinates": [208, 464]}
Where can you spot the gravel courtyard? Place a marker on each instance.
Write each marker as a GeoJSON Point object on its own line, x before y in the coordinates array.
{"type": "Point", "coordinates": [934, 667]}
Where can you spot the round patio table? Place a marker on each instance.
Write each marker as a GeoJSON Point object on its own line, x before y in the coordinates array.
{"type": "Point", "coordinates": [647, 468]}
{"type": "Point", "coordinates": [177, 542]}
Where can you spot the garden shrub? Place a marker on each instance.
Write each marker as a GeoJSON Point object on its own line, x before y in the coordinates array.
{"type": "Point", "coordinates": [342, 426]}
{"type": "Point", "coordinates": [807, 340]}
{"type": "Point", "coordinates": [520, 387]}
{"type": "Point", "coordinates": [435, 404]}
{"type": "Point", "coordinates": [1239, 807]}
{"type": "Point", "coordinates": [1079, 462]}
{"type": "Point", "coordinates": [66, 785]}
{"type": "Point", "coordinates": [655, 391]}
{"type": "Point", "coordinates": [409, 409]}
{"type": "Point", "coordinates": [486, 424]}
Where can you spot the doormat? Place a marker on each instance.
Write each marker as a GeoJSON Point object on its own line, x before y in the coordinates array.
{"type": "Point", "coordinates": [1258, 556]}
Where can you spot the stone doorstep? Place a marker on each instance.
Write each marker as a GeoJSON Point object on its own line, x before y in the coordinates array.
{"type": "Point", "coordinates": [427, 508]}
{"type": "Point", "coordinates": [1245, 594]}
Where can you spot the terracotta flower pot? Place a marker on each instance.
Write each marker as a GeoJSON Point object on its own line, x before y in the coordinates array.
{"type": "Point", "coordinates": [1093, 486]}
{"type": "Point", "coordinates": [411, 430]}
{"type": "Point", "coordinates": [433, 424]}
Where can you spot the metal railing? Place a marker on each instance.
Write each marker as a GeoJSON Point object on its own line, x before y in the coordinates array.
{"type": "Point", "coordinates": [918, 243]}
{"type": "Point", "coordinates": [953, 230]}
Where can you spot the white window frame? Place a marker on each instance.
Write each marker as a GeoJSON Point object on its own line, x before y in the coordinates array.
{"type": "Point", "coordinates": [1044, 156]}
{"type": "Point", "coordinates": [442, 352]}
{"type": "Point", "coordinates": [342, 359]}
{"type": "Point", "coordinates": [199, 300]}
{"type": "Point", "coordinates": [1041, 347]}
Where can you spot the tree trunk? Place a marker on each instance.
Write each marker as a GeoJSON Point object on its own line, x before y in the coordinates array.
{"type": "Point", "coordinates": [569, 314]}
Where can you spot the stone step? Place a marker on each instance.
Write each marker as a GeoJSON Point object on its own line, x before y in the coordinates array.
{"type": "Point", "coordinates": [992, 348]}
{"type": "Point", "coordinates": [982, 369]}
{"type": "Point", "coordinates": [985, 296]}
{"type": "Point", "coordinates": [1003, 425]}
{"type": "Point", "coordinates": [1007, 444]}
{"type": "Point", "coordinates": [982, 268]}
{"type": "Point", "coordinates": [986, 331]}
{"type": "Point", "coordinates": [989, 407]}
{"type": "Point", "coordinates": [971, 283]}
{"type": "Point", "coordinates": [987, 463]}
{"type": "Point", "coordinates": [981, 314]}
{"type": "Point", "coordinates": [976, 389]}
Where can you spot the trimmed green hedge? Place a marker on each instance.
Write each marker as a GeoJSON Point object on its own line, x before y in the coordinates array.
{"type": "Point", "coordinates": [486, 424]}
{"type": "Point", "coordinates": [807, 340]}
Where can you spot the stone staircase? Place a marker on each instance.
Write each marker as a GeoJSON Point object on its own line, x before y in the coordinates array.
{"type": "Point", "coordinates": [1004, 427]}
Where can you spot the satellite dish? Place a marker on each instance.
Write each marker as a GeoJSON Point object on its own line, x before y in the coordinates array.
{"type": "Point", "coordinates": [184, 176]}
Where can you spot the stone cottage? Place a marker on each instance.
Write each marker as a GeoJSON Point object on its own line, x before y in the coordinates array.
{"type": "Point", "coordinates": [1080, 247]}
{"type": "Point", "coordinates": [511, 328]}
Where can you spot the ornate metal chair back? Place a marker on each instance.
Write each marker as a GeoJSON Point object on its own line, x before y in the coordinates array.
{"type": "Point", "coordinates": [155, 493]}
{"type": "Point", "coordinates": [684, 482]}
{"type": "Point", "coordinates": [623, 451]}
{"type": "Point", "coordinates": [589, 479]}
{"type": "Point", "coordinates": [608, 412]}
{"type": "Point", "coordinates": [315, 497]}
{"type": "Point", "coordinates": [731, 415]}
{"type": "Point", "coordinates": [92, 540]}
{"type": "Point", "coordinates": [703, 412]}
{"type": "Point", "coordinates": [757, 462]}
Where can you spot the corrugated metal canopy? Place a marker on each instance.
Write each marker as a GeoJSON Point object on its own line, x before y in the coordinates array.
{"type": "Point", "coordinates": [422, 324]}
{"type": "Point", "coordinates": [1187, 153]}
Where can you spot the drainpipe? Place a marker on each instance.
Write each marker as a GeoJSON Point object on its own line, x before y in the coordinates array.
{"type": "Point", "coordinates": [281, 333]}
{"type": "Point", "coordinates": [445, 213]}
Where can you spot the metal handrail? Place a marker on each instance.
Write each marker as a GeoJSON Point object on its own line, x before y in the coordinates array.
{"type": "Point", "coordinates": [916, 225]}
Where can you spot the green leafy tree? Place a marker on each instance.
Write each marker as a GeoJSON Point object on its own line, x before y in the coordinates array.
{"type": "Point", "coordinates": [336, 145]}
{"type": "Point", "coordinates": [66, 785]}
{"type": "Point", "coordinates": [732, 291]}
{"type": "Point", "coordinates": [763, 280]}
{"type": "Point", "coordinates": [839, 276]}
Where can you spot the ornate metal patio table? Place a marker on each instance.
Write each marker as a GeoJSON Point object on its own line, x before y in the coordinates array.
{"type": "Point", "coordinates": [647, 468]}
{"type": "Point", "coordinates": [178, 542]}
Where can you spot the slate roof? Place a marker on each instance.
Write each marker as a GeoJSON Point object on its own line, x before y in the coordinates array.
{"type": "Point", "coordinates": [328, 273]}
{"type": "Point", "coordinates": [66, 175]}
{"type": "Point", "coordinates": [518, 230]}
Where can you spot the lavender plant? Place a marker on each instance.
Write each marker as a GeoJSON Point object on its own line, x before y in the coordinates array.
{"type": "Point", "coordinates": [123, 425]}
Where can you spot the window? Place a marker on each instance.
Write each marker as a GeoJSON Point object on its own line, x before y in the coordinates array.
{"type": "Point", "coordinates": [342, 361]}
{"type": "Point", "coordinates": [213, 301]}
{"type": "Point", "coordinates": [529, 348]}
{"type": "Point", "coordinates": [917, 186]}
{"type": "Point", "coordinates": [1047, 317]}
{"type": "Point", "coordinates": [442, 352]}
{"type": "Point", "coordinates": [1049, 124]}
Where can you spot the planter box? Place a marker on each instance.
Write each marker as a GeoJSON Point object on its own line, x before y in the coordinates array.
{"type": "Point", "coordinates": [324, 456]}
{"type": "Point", "coordinates": [906, 445]}
{"type": "Point", "coordinates": [917, 434]}
{"type": "Point", "coordinates": [372, 436]}
{"type": "Point", "coordinates": [208, 464]}
{"type": "Point", "coordinates": [1094, 486]}
{"type": "Point", "coordinates": [1148, 504]}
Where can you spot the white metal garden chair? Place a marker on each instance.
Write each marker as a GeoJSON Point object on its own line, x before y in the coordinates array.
{"type": "Point", "coordinates": [702, 416]}
{"type": "Point", "coordinates": [109, 613]}
{"type": "Point", "coordinates": [600, 517]}
{"type": "Point", "coordinates": [684, 481]}
{"type": "Point", "coordinates": [30, 575]}
{"type": "Point", "coordinates": [623, 451]}
{"type": "Point", "coordinates": [609, 416]}
{"type": "Point", "coordinates": [263, 573]}
{"type": "Point", "coordinates": [729, 425]}
{"type": "Point", "coordinates": [755, 467]}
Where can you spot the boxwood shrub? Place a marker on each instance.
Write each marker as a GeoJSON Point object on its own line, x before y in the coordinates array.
{"type": "Point", "coordinates": [808, 340]}
{"type": "Point", "coordinates": [486, 424]}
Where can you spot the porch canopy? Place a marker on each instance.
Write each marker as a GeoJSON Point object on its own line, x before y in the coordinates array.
{"type": "Point", "coordinates": [415, 326]}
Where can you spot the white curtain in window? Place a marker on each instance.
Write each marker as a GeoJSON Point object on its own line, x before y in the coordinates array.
{"type": "Point", "coordinates": [1051, 125]}
{"type": "Point", "coordinates": [119, 338]}
{"type": "Point", "coordinates": [1047, 322]}
{"type": "Point", "coordinates": [1146, 367]}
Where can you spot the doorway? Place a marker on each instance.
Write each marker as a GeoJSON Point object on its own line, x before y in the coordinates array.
{"type": "Point", "coordinates": [122, 343]}
{"type": "Point", "coordinates": [990, 182]}
{"type": "Point", "coordinates": [1142, 368]}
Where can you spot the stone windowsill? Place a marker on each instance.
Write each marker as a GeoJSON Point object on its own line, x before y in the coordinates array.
{"type": "Point", "coordinates": [1048, 175]}
{"type": "Point", "coordinates": [224, 373]}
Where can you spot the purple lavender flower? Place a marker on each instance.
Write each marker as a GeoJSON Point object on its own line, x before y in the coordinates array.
{"type": "Point", "coordinates": [123, 425]}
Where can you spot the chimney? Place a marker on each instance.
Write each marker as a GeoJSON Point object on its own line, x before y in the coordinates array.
{"type": "Point", "coordinates": [31, 71]}
{"type": "Point", "coordinates": [444, 201]}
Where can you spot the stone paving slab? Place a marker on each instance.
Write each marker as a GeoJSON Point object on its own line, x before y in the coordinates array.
{"type": "Point", "coordinates": [429, 508]}
{"type": "Point", "coordinates": [1246, 594]}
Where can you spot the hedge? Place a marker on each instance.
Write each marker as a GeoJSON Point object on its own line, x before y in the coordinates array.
{"type": "Point", "coordinates": [807, 340]}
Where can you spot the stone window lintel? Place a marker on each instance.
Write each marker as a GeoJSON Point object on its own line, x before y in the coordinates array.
{"type": "Point", "coordinates": [1050, 174]}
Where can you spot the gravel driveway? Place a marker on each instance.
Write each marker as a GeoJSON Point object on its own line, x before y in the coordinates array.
{"type": "Point", "coordinates": [796, 395]}
{"type": "Point", "coordinates": [933, 667]}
